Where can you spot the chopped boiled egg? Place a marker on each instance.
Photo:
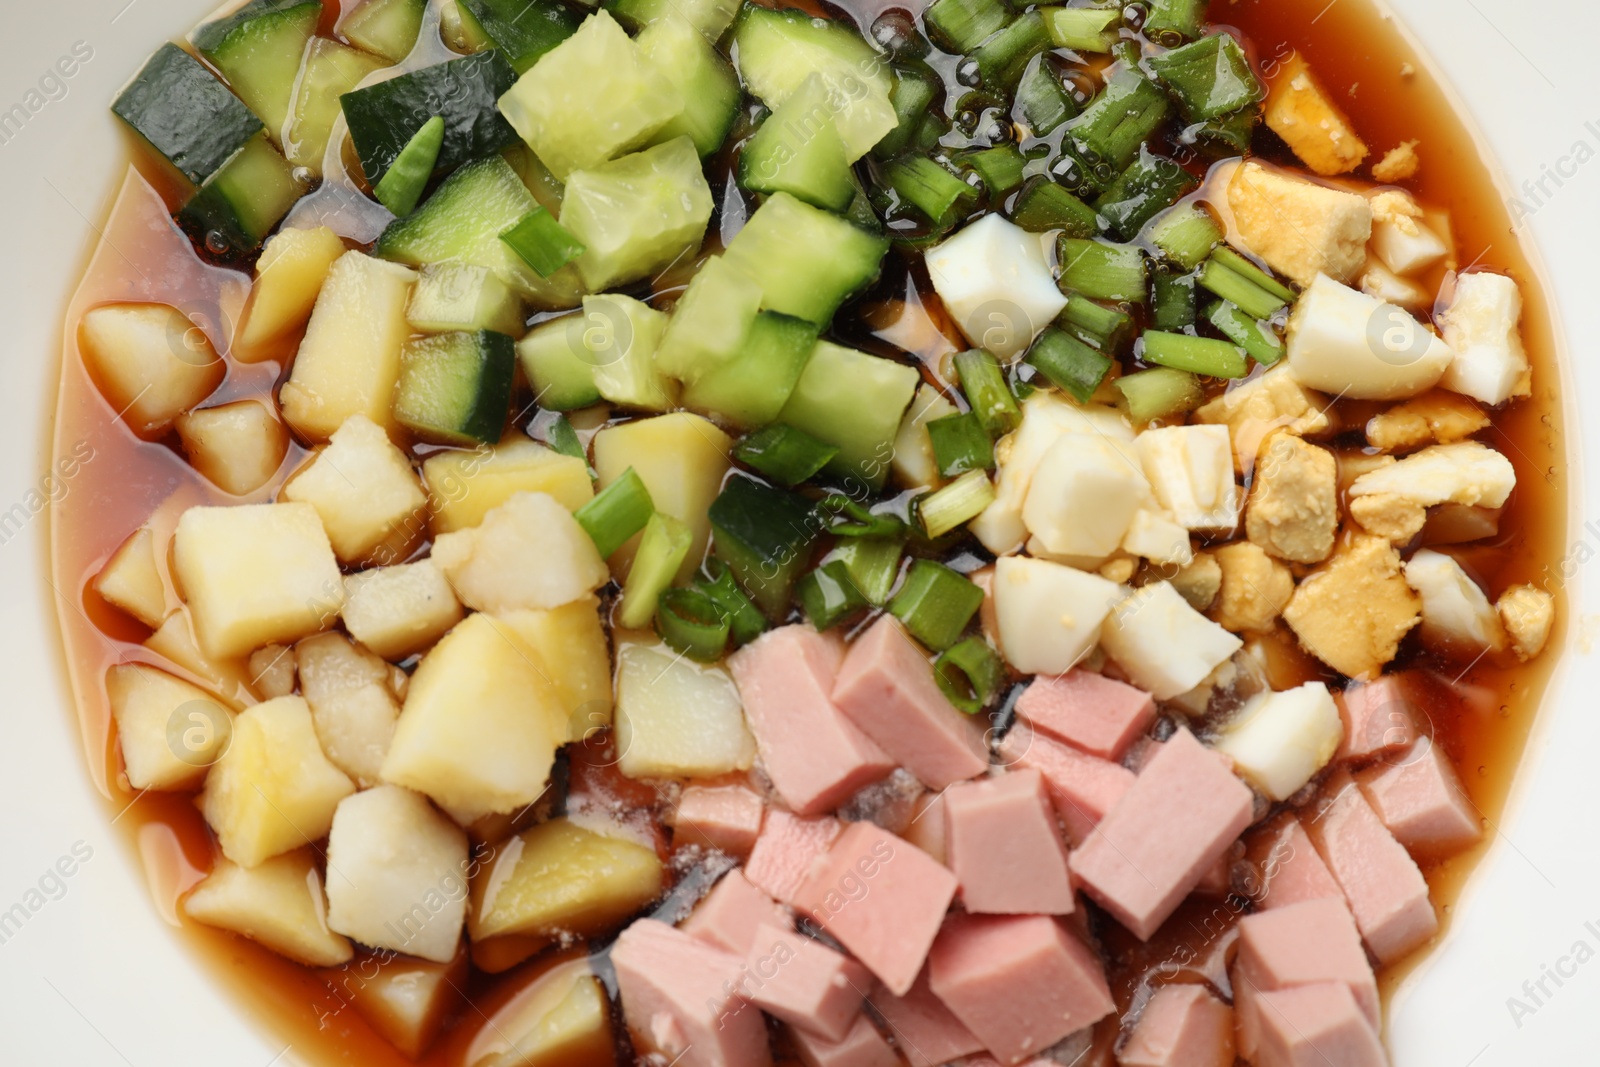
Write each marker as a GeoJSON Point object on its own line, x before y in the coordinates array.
{"type": "Point", "coordinates": [996, 283]}
{"type": "Point", "coordinates": [1466, 472]}
{"type": "Point", "coordinates": [1083, 498]}
{"type": "Point", "coordinates": [1528, 614]}
{"type": "Point", "coordinates": [1190, 468]}
{"type": "Point", "coordinates": [1163, 644]}
{"type": "Point", "coordinates": [1349, 344]}
{"type": "Point", "coordinates": [1048, 615]}
{"type": "Point", "coordinates": [1481, 324]}
{"type": "Point", "coordinates": [1384, 284]}
{"type": "Point", "coordinates": [1279, 741]}
{"type": "Point", "coordinates": [1455, 613]}
{"type": "Point", "coordinates": [1156, 537]}
{"type": "Point", "coordinates": [1400, 238]}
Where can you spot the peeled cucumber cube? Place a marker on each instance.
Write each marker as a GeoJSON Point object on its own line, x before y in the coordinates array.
{"type": "Point", "coordinates": [331, 70]}
{"type": "Point", "coordinates": [591, 98]}
{"type": "Point", "coordinates": [558, 365]}
{"type": "Point", "coordinates": [711, 17]}
{"type": "Point", "coordinates": [798, 150]}
{"type": "Point", "coordinates": [620, 336]}
{"type": "Point", "coordinates": [807, 261]}
{"type": "Point", "coordinates": [637, 214]}
{"type": "Point", "coordinates": [462, 296]}
{"type": "Point", "coordinates": [853, 401]}
{"type": "Point", "coordinates": [387, 28]}
{"type": "Point", "coordinates": [709, 86]}
{"type": "Point", "coordinates": [711, 321]}
{"type": "Point", "coordinates": [751, 389]}
{"type": "Point", "coordinates": [258, 49]}
{"type": "Point", "coordinates": [455, 388]}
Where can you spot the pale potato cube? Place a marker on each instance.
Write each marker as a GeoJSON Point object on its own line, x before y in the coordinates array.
{"type": "Point", "coordinates": [174, 641]}
{"type": "Point", "coordinates": [1352, 611]}
{"type": "Point", "coordinates": [349, 360]}
{"type": "Point", "coordinates": [1154, 536]}
{"type": "Point", "coordinates": [256, 575]}
{"type": "Point", "coordinates": [289, 275]}
{"type": "Point", "coordinates": [400, 874]}
{"type": "Point", "coordinates": [914, 464]}
{"type": "Point", "coordinates": [527, 554]}
{"type": "Point", "coordinates": [1300, 111]}
{"type": "Point", "coordinates": [464, 486]}
{"type": "Point", "coordinates": [1048, 616]}
{"type": "Point", "coordinates": [480, 726]}
{"type": "Point", "coordinates": [407, 1000]}
{"type": "Point", "coordinates": [278, 903]}
{"type": "Point", "coordinates": [1279, 741]}
{"type": "Point", "coordinates": [401, 610]}
{"type": "Point", "coordinates": [1528, 615]}
{"type": "Point", "coordinates": [1301, 229]}
{"type": "Point", "coordinates": [677, 718]}
{"type": "Point", "coordinates": [169, 731]}
{"type": "Point", "coordinates": [130, 580]}
{"type": "Point", "coordinates": [272, 671]}
{"type": "Point", "coordinates": [237, 446]}
{"type": "Point", "coordinates": [273, 789]}
{"type": "Point", "coordinates": [570, 642]}
{"type": "Point", "coordinates": [363, 488]}
{"type": "Point", "coordinates": [351, 704]}
{"type": "Point", "coordinates": [1255, 588]}
{"type": "Point", "coordinates": [150, 361]}
{"type": "Point", "coordinates": [1163, 644]}
{"type": "Point", "coordinates": [1190, 470]}
{"type": "Point", "coordinates": [564, 1017]}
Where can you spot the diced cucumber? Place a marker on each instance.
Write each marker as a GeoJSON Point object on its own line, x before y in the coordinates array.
{"type": "Point", "coordinates": [805, 260]}
{"type": "Point", "coordinates": [557, 364]}
{"type": "Point", "coordinates": [751, 389]}
{"type": "Point", "coordinates": [637, 214]}
{"type": "Point", "coordinates": [460, 31]}
{"type": "Point", "coordinates": [384, 117]}
{"type": "Point", "coordinates": [258, 50]}
{"type": "Point", "coordinates": [455, 388]}
{"type": "Point", "coordinates": [620, 336]}
{"type": "Point", "coordinates": [854, 401]}
{"type": "Point", "coordinates": [709, 87]}
{"type": "Point", "coordinates": [462, 222]}
{"type": "Point", "coordinates": [798, 150]}
{"type": "Point", "coordinates": [764, 535]}
{"type": "Point", "coordinates": [185, 113]}
{"type": "Point", "coordinates": [330, 70]}
{"type": "Point", "coordinates": [537, 177]}
{"type": "Point", "coordinates": [591, 98]}
{"type": "Point", "coordinates": [388, 28]}
{"type": "Point", "coordinates": [463, 296]}
{"type": "Point", "coordinates": [408, 176]}
{"type": "Point", "coordinates": [711, 321]}
{"type": "Point", "coordinates": [523, 29]}
{"type": "Point", "coordinates": [711, 17]}
{"type": "Point", "coordinates": [242, 203]}
{"type": "Point", "coordinates": [777, 50]}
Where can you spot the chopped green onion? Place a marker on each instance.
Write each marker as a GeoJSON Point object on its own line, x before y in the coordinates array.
{"type": "Point", "coordinates": [911, 94]}
{"type": "Point", "coordinates": [1197, 355]}
{"type": "Point", "coordinates": [1172, 300]}
{"type": "Point", "coordinates": [1043, 205]}
{"type": "Point", "coordinates": [1000, 167]}
{"type": "Point", "coordinates": [961, 501]}
{"type": "Point", "coordinates": [1171, 22]}
{"type": "Point", "coordinates": [1186, 235]}
{"type": "Point", "coordinates": [928, 187]}
{"type": "Point", "coordinates": [1252, 273]}
{"type": "Point", "coordinates": [828, 595]}
{"type": "Point", "coordinates": [873, 563]}
{"type": "Point", "coordinates": [560, 436]}
{"type": "Point", "coordinates": [1211, 77]}
{"type": "Point", "coordinates": [851, 519]}
{"type": "Point", "coordinates": [1069, 364]}
{"type": "Point", "coordinates": [402, 184]}
{"type": "Point", "coordinates": [692, 623]}
{"type": "Point", "coordinates": [1102, 270]}
{"type": "Point", "coordinates": [1127, 52]}
{"type": "Point", "coordinates": [616, 513]}
{"type": "Point", "coordinates": [1156, 393]}
{"type": "Point", "coordinates": [1096, 325]}
{"type": "Point", "coordinates": [1256, 338]}
{"type": "Point", "coordinates": [968, 674]}
{"type": "Point", "coordinates": [936, 604]}
{"type": "Point", "coordinates": [1231, 134]}
{"type": "Point", "coordinates": [1003, 58]}
{"type": "Point", "coordinates": [980, 377]}
{"type": "Point", "coordinates": [1149, 186]}
{"type": "Point", "coordinates": [960, 444]}
{"type": "Point", "coordinates": [959, 26]}
{"type": "Point", "coordinates": [542, 243]}
{"type": "Point", "coordinates": [745, 621]}
{"type": "Point", "coordinates": [1119, 121]}
{"type": "Point", "coordinates": [662, 550]}
{"type": "Point", "coordinates": [1235, 287]}
{"type": "Point", "coordinates": [1083, 29]}
{"type": "Point", "coordinates": [929, 133]}
{"type": "Point", "coordinates": [784, 454]}
{"type": "Point", "coordinates": [1043, 103]}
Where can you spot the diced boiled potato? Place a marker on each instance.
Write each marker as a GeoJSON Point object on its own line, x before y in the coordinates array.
{"type": "Point", "coordinates": [1048, 616]}
{"type": "Point", "coordinates": [1190, 469]}
{"type": "Point", "coordinates": [349, 360]}
{"type": "Point", "coordinates": [1083, 497]}
{"type": "Point", "coordinates": [677, 718]}
{"type": "Point", "coordinates": [1346, 343]}
{"type": "Point", "coordinates": [996, 283]}
{"type": "Point", "coordinates": [170, 731]}
{"type": "Point", "coordinates": [273, 789]}
{"type": "Point", "coordinates": [363, 488]}
{"type": "Point", "coordinates": [351, 705]}
{"type": "Point", "coordinates": [255, 575]}
{"type": "Point", "coordinates": [1279, 741]}
{"type": "Point", "coordinates": [496, 955]}
{"type": "Point", "coordinates": [562, 1018]}
{"type": "Point", "coordinates": [480, 726]}
{"type": "Point", "coordinates": [174, 641]}
{"type": "Point", "coordinates": [401, 610]}
{"type": "Point", "coordinates": [682, 459]}
{"type": "Point", "coordinates": [1456, 615]}
{"type": "Point", "coordinates": [570, 642]}
{"type": "Point", "coordinates": [400, 872]}
{"type": "Point", "coordinates": [151, 362]}
{"type": "Point", "coordinates": [464, 486]}
{"type": "Point", "coordinates": [914, 464]}
{"type": "Point", "coordinates": [561, 878]}
{"type": "Point", "coordinates": [1300, 111]}
{"type": "Point", "coordinates": [405, 999]}
{"type": "Point", "coordinates": [237, 446]}
{"type": "Point", "coordinates": [289, 275]}
{"type": "Point", "coordinates": [527, 554]}
{"type": "Point", "coordinates": [1164, 644]}
{"type": "Point", "coordinates": [130, 580]}
{"type": "Point", "coordinates": [1481, 323]}
{"type": "Point", "coordinates": [272, 671]}
{"type": "Point", "coordinates": [621, 336]}
{"type": "Point", "coordinates": [278, 903]}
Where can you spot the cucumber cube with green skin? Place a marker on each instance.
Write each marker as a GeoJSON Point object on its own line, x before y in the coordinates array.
{"type": "Point", "coordinates": [798, 150]}
{"type": "Point", "coordinates": [711, 321]}
{"type": "Point", "coordinates": [709, 87]}
{"type": "Point", "coordinates": [383, 118]}
{"type": "Point", "coordinates": [765, 536]}
{"type": "Point", "coordinates": [455, 388]}
{"type": "Point", "coordinates": [620, 336]}
{"type": "Point", "coordinates": [184, 113]}
{"type": "Point", "coordinates": [853, 401]}
{"type": "Point", "coordinates": [591, 98]}
{"type": "Point", "coordinates": [449, 297]}
{"type": "Point", "coordinates": [258, 50]}
{"type": "Point", "coordinates": [558, 365]}
{"type": "Point", "coordinates": [807, 261]}
{"type": "Point", "coordinates": [387, 28]}
{"type": "Point", "coordinates": [523, 29]}
{"type": "Point", "coordinates": [711, 17]}
{"type": "Point", "coordinates": [637, 214]}
{"type": "Point", "coordinates": [751, 389]}
{"type": "Point", "coordinates": [331, 69]}
{"type": "Point", "coordinates": [242, 203]}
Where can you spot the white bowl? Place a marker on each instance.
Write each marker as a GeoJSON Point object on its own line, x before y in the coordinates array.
{"type": "Point", "coordinates": [95, 976]}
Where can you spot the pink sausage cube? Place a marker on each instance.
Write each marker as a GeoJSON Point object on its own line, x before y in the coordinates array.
{"type": "Point", "coordinates": [1082, 787]}
{"type": "Point", "coordinates": [886, 687]}
{"type": "Point", "coordinates": [863, 1046]}
{"type": "Point", "coordinates": [1019, 983]}
{"type": "Point", "coordinates": [924, 1029]}
{"type": "Point", "coordinates": [1176, 820]}
{"type": "Point", "coordinates": [1004, 846]}
{"type": "Point", "coordinates": [882, 898]}
{"type": "Point", "coordinates": [1100, 715]}
{"type": "Point", "coordinates": [804, 982]}
{"type": "Point", "coordinates": [1314, 1026]}
{"type": "Point", "coordinates": [815, 756]}
{"type": "Point", "coordinates": [1379, 716]}
{"type": "Point", "coordinates": [785, 851]}
{"type": "Point", "coordinates": [731, 914]}
{"type": "Point", "coordinates": [1382, 884]}
{"type": "Point", "coordinates": [724, 817]}
{"type": "Point", "coordinates": [1181, 1026]}
{"type": "Point", "coordinates": [1287, 867]}
{"type": "Point", "coordinates": [681, 1001]}
{"type": "Point", "coordinates": [1218, 879]}
{"type": "Point", "coordinates": [1419, 798]}
{"type": "Point", "coordinates": [927, 828]}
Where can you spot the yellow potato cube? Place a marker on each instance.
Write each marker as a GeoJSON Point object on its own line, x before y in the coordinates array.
{"type": "Point", "coordinates": [229, 679]}
{"type": "Point", "coordinates": [170, 731]}
{"type": "Point", "coordinates": [401, 610]}
{"type": "Point", "coordinates": [677, 718]}
{"type": "Point", "coordinates": [570, 644]}
{"type": "Point", "coordinates": [464, 486]}
{"type": "Point", "coordinates": [279, 903]}
{"type": "Point", "coordinates": [363, 488]}
{"type": "Point", "coordinates": [237, 446]}
{"type": "Point", "coordinates": [404, 999]}
{"type": "Point", "coordinates": [562, 1018]}
{"type": "Point", "coordinates": [150, 361]}
{"type": "Point", "coordinates": [351, 705]}
{"type": "Point", "coordinates": [289, 275]}
{"type": "Point", "coordinates": [527, 554]}
{"type": "Point", "coordinates": [272, 671]}
{"type": "Point", "coordinates": [130, 580]}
